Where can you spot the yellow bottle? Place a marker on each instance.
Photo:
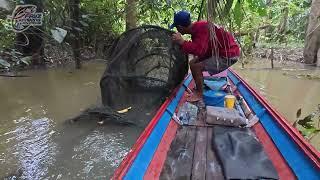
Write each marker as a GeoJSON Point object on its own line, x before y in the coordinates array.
{"type": "Point", "coordinates": [229, 101]}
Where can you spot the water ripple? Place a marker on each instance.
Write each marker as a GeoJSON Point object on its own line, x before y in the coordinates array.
{"type": "Point", "coordinates": [100, 148]}
{"type": "Point", "coordinates": [32, 147]}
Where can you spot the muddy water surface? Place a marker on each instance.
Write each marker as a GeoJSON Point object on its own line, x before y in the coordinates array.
{"type": "Point", "coordinates": [287, 87]}
{"type": "Point", "coordinates": [36, 141]}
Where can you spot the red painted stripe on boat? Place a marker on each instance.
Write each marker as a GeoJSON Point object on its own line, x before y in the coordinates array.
{"type": "Point", "coordinates": [130, 157]}
{"type": "Point", "coordinates": [306, 147]}
{"type": "Point", "coordinates": [283, 169]}
{"type": "Point", "coordinates": [159, 158]}
{"type": "Point", "coordinates": [155, 167]}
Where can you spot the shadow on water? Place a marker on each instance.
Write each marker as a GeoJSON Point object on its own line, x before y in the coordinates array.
{"type": "Point", "coordinates": [38, 142]}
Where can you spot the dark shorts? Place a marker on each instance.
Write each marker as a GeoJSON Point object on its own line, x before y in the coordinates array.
{"type": "Point", "coordinates": [215, 65]}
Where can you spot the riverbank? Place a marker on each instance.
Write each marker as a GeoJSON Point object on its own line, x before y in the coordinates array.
{"type": "Point", "coordinates": [280, 54]}
{"type": "Point", "coordinates": [57, 55]}
{"type": "Point", "coordinates": [54, 56]}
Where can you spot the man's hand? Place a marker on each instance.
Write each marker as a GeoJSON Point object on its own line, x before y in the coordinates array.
{"type": "Point", "coordinates": [177, 37]}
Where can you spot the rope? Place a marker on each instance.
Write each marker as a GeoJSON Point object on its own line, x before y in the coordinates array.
{"type": "Point", "coordinates": [212, 34]}
{"type": "Point", "coordinates": [215, 9]}
{"type": "Point", "coordinates": [27, 42]}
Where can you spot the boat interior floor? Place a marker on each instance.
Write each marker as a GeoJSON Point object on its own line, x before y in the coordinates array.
{"type": "Point", "coordinates": [216, 152]}
{"type": "Point", "coordinates": [202, 151]}
{"type": "Point", "coordinates": [191, 155]}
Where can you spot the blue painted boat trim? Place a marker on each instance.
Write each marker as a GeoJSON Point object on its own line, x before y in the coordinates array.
{"type": "Point", "coordinates": [300, 164]}
{"type": "Point", "coordinates": [143, 159]}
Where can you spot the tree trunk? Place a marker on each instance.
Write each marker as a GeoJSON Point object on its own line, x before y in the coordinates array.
{"type": "Point", "coordinates": [268, 29]}
{"type": "Point", "coordinates": [131, 14]}
{"type": "Point", "coordinates": [211, 12]}
{"type": "Point", "coordinates": [75, 13]}
{"type": "Point", "coordinates": [251, 44]}
{"type": "Point", "coordinates": [256, 38]}
{"type": "Point", "coordinates": [34, 35]}
{"type": "Point", "coordinates": [272, 57]}
{"type": "Point", "coordinates": [283, 24]}
{"type": "Point", "coordinates": [318, 60]}
{"type": "Point", "coordinates": [312, 40]}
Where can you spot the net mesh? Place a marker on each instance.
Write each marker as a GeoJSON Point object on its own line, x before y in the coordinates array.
{"type": "Point", "coordinates": [145, 66]}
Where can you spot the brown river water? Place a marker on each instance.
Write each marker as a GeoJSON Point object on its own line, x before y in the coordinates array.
{"type": "Point", "coordinates": [286, 87]}
{"type": "Point", "coordinates": [37, 141]}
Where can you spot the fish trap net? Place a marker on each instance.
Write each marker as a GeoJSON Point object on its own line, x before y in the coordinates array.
{"type": "Point", "coordinates": [144, 67]}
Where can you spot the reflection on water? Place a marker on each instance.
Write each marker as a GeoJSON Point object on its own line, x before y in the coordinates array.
{"type": "Point", "coordinates": [36, 141]}
{"type": "Point", "coordinates": [285, 89]}
{"type": "Point", "coordinates": [27, 149]}
{"type": "Point", "coordinates": [102, 147]}
{"type": "Point", "coordinates": [35, 149]}
{"type": "Point", "coordinates": [94, 153]}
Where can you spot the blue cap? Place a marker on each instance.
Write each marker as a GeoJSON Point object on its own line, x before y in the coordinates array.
{"type": "Point", "coordinates": [181, 18]}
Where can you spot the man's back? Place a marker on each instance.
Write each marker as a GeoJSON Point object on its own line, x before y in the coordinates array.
{"type": "Point", "coordinates": [224, 44]}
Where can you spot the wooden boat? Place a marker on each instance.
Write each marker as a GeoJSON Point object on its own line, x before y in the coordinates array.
{"type": "Point", "coordinates": [291, 155]}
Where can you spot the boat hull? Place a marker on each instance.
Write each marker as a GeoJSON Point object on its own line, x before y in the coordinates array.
{"type": "Point", "coordinates": [291, 155]}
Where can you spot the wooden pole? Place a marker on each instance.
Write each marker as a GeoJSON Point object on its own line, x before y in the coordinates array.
{"type": "Point", "coordinates": [271, 57]}
{"type": "Point", "coordinates": [242, 62]}
{"type": "Point", "coordinates": [318, 58]}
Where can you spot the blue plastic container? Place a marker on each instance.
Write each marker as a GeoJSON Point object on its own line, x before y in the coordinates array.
{"type": "Point", "coordinates": [214, 98]}
{"type": "Point", "coordinates": [215, 84]}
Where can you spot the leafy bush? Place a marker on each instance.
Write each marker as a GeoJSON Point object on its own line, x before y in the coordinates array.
{"type": "Point", "coordinates": [7, 37]}
{"type": "Point", "coordinates": [309, 126]}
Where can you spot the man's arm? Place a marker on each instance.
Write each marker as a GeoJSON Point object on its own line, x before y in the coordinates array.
{"type": "Point", "coordinates": [199, 45]}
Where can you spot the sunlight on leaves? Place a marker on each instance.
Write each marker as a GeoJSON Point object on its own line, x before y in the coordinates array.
{"type": "Point", "coordinates": [4, 63]}
{"type": "Point", "coordinates": [26, 60]}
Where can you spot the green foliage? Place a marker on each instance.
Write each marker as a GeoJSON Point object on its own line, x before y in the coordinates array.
{"type": "Point", "coordinates": [257, 6]}
{"type": "Point", "coordinates": [102, 20]}
{"type": "Point", "coordinates": [6, 36]}
{"type": "Point", "coordinates": [14, 59]}
{"type": "Point", "coordinates": [238, 15]}
{"type": "Point", "coordinates": [102, 16]}
{"type": "Point", "coordinates": [4, 63]}
{"type": "Point", "coordinates": [161, 12]}
{"type": "Point", "coordinates": [309, 125]}
{"type": "Point", "coordinates": [26, 60]}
